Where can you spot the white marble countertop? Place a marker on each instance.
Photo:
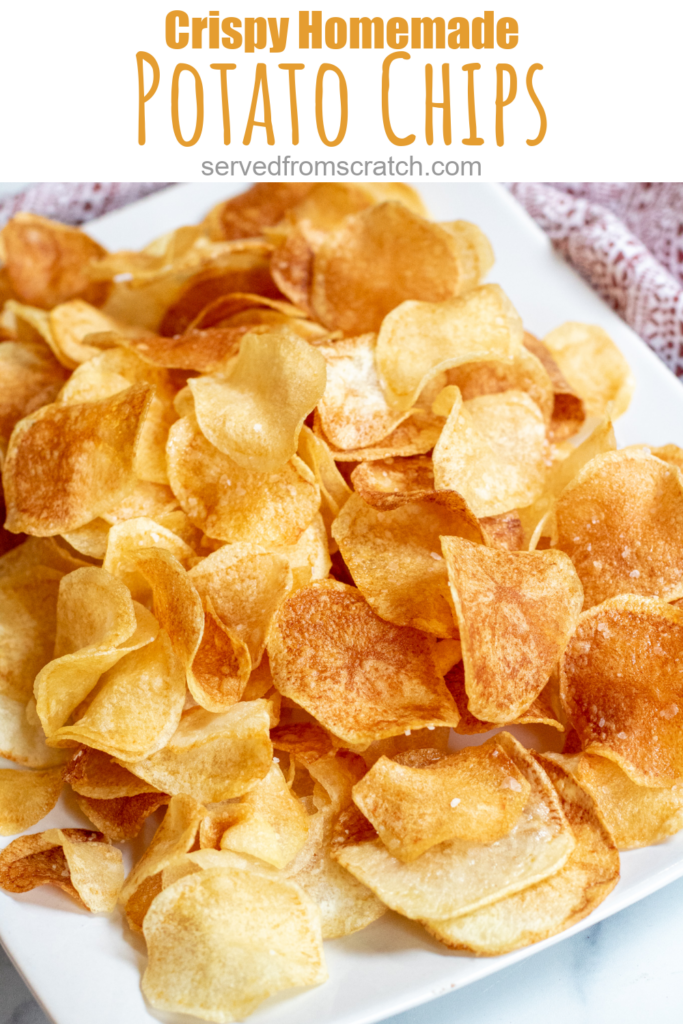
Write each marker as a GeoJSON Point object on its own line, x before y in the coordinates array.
{"type": "Point", "coordinates": [628, 968]}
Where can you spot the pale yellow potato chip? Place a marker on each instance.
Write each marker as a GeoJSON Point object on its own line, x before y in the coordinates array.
{"type": "Point", "coordinates": [515, 611]}
{"type": "Point", "coordinates": [492, 451]}
{"type": "Point", "coordinates": [255, 415]}
{"type": "Point", "coordinates": [268, 823]}
{"type": "Point", "coordinates": [249, 936]}
{"type": "Point", "coordinates": [417, 434]}
{"type": "Point", "coordinates": [126, 538]}
{"type": "Point", "coordinates": [622, 689]}
{"type": "Point", "coordinates": [22, 739]}
{"type": "Point", "coordinates": [621, 520]}
{"type": "Point", "coordinates": [418, 340]}
{"type": "Point", "coordinates": [79, 861]}
{"type": "Point", "coordinates": [212, 757]}
{"type": "Point", "coordinates": [49, 552]}
{"type": "Point", "coordinates": [593, 366]}
{"type": "Point", "coordinates": [361, 677]}
{"type": "Point", "coordinates": [90, 540]}
{"type": "Point", "coordinates": [491, 376]}
{"type": "Point", "coordinates": [28, 624]}
{"type": "Point", "coordinates": [460, 876]}
{"type": "Point", "coordinates": [70, 324]}
{"type": "Point", "coordinates": [26, 797]}
{"type": "Point", "coordinates": [309, 558]}
{"type": "Point", "coordinates": [68, 463]}
{"type": "Point", "coordinates": [558, 902]}
{"type": "Point", "coordinates": [476, 794]}
{"type": "Point", "coordinates": [233, 504]}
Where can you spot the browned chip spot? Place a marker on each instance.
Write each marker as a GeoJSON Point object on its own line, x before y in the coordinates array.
{"type": "Point", "coordinates": [306, 741]}
{"type": "Point", "coordinates": [362, 678]}
{"type": "Point", "coordinates": [29, 378]}
{"type": "Point", "coordinates": [387, 483]}
{"type": "Point", "coordinates": [568, 409]}
{"type": "Point", "coordinates": [261, 206]}
{"type": "Point", "coordinates": [122, 817]}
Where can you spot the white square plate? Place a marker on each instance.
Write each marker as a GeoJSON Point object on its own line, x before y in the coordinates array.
{"type": "Point", "coordinates": [79, 966]}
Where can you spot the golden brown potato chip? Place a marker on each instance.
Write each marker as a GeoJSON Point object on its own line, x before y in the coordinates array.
{"type": "Point", "coordinates": [255, 415]}
{"type": "Point", "coordinates": [26, 797]}
{"type": "Point", "coordinates": [71, 323]}
{"type": "Point", "coordinates": [221, 667]}
{"type": "Point", "coordinates": [261, 206]}
{"type": "Point", "coordinates": [418, 340]}
{"type": "Point", "coordinates": [97, 624]}
{"type": "Point", "coordinates": [28, 623]}
{"type": "Point", "coordinates": [621, 520]}
{"type": "Point", "coordinates": [79, 861]}
{"type": "Point", "coordinates": [362, 678]}
{"type": "Point", "coordinates": [47, 262]}
{"type": "Point", "coordinates": [383, 256]}
{"type": "Point", "coordinates": [291, 267]}
{"type": "Point", "coordinates": [175, 835]}
{"type": "Point", "coordinates": [416, 435]}
{"type": "Point", "coordinates": [491, 376]}
{"type": "Point", "coordinates": [121, 818]}
{"type": "Point", "coordinates": [353, 411]}
{"type": "Point", "coordinates": [593, 366]}
{"type": "Point", "coordinates": [95, 774]}
{"type": "Point", "coordinates": [477, 794]}
{"type": "Point", "coordinates": [212, 757]}
{"type": "Point", "coordinates": [554, 904]}
{"type": "Point", "coordinates": [460, 876]}
{"type": "Point", "coordinates": [515, 610]}
{"type": "Point", "coordinates": [492, 451]}
{"type": "Point", "coordinates": [622, 689]}
{"type": "Point", "coordinates": [396, 562]}
{"type": "Point", "coordinates": [268, 823]}
{"type": "Point", "coordinates": [49, 552]}
{"type": "Point", "coordinates": [669, 453]}
{"type": "Point", "coordinates": [67, 464]}
{"type": "Point", "coordinates": [569, 413]}
{"type": "Point", "coordinates": [127, 538]}
{"type": "Point", "coordinates": [234, 504]}
{"type": "Point", "coordinates": [306, 741]}
{"type": "Point", "coordinates": [29, 379]}
{"type": "Point", "coordinates": [196, 349]}
{"type": "Point", "coordinates": [545, 709]}
{"type": "Point", "coordinates": [22, 739]}
{"type": "Point", "coordinates": [91, 539]}
{"type": "Point", "coordinates": [247, 936]}
{"type": "Point", "coordinates": [388, 483]}
{"type": "Point", "coordinates": [334, 490]}
{"type": "Point", "coordinates": [247, 309]}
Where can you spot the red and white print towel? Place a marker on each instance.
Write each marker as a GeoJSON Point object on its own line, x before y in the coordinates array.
{"type": "Point", "coordinates": [625, 238]}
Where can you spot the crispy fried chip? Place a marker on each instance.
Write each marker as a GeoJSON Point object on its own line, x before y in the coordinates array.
{"type": "Point", "coordinates": [593, 366]}
{"type": "Point", "coordinates": [545, 709]}
{"type": "Point", "coordinates": [68, 463]}
{"type": "Point", "coordinates": [22, 739]}
{"type": "Point", "coordinates": [47, 262]}
{"type": "Point", "coordinates": [291, 266]}
{"type": "Point", "coordinates": [621, 522]}
{"type": "Point", "coordinates": [195, 349]}
{"type": "Point", "coordinates": [622, 688]}
{"type": "Point", "coordinates": [558, 902]}
{"type": "Point", "coordinates": [306, 741]}
{"type": "Point", "coordinates": [388, 483]}
{"type": "Point", "coordinates": [221, 667]}
{"type": "Point", "coordinates": [492, 451]}
{"type": "Point", "coordinates": [80, 862]}
{"type": "Point", "coordinates": [26, 797]}
{"type": "Point", "coordinates": [515, 610]}
{"type": "Point", "coordinates": [353, 410]}
{"type": "Point", "coordinates": [255, 415]}
{"type": "Point", "coordinates": [670, 453]}
{"type": "Point", "coordinates": [568, 409]}
{"type": "Point", "coordinates": [268, 823]}
{"type": "Point", "coordinates": [418, 340]}
{"type": "Point", "coordinates": [460, 876]}
{"type": "Point", "coordinates": [416, 435]}
{"type": "Point", "coordinates": [261, 206]}
{"type": "Point", "coordinates": [477, 794]}
{"type": "Point", "coordinates": [334, 490]}
{"type": "Point", "coordinates": [247, 936]}
{"type": "Point", "coordinates": [29, 379]}
{"type": "Point", "coordinates": [383, 256]}
{"type": "Point", "coordinates": [491, 376]}
{"type": "Point", "coordinates": [28, 623]}
{"type": "Point", "coordinates": [126, 539]}
{"type": "Point", "coordinates": [175, 835]}
{"type": "Point", "coordinates": [212, 757]}
{"type": "Point", "coordinates": [362, 678]}
{"type": "Point", "coordinates": [395, 559]}
{"type": "Point", "coordinates": [233, 504]}
{"type": "Point", "coordinates": [122, 817]}
{"type": "Point", "coordinates": [95, 774]}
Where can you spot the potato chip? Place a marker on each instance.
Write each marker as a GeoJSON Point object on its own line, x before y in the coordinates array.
{"type": "Point", "coordinates": [388, 483]}
{"type": "Point", "coordinates": [569, 412]}
{"type": "Point", "coordinates": [395, 560]}
{"type": "Point", "coordinates": [593, 366]}
{"type": "Point", "coordinates": [362, 678]}
{"type": "Point", "coordinates": [329, 203]}
{"type": "Point", "coordinates": [95, 774]}
{"type": "Point", "coordinates": [305, 741]}
{"type": "Point", "coordinates": [67, 464]}
{"type": "Point", "coordinates": [22, 739]}
{"type": "Point", "coordinates": [620, 520]}
{"type": "Point", "coordinates": [493, 375]}
{"type": "Point", "coordinates": [492, 451]}
{"type": "Point", "coordinates": [194, 349]}
{"type": "Point", "coordinates": [26, 797]}
{"type": "Point", "coordinates": [212, 757]}
{"type": "Point", "coordinates": [221, 667]}
{"type": "Point", "coordinates": [477, 795]}
{"type": "Point", "coordinates": [383, 256]}
{"type": "Point", "coordinates": [234, 504]}
{"type": "Point", "coordinates": [621, 687]}
{"type": "Point", "coordinates": [544, 710]}
{"type": "Point", "coordinates": [291, 267]}
{"type": "Point", "coordinates": [122, 817]}
{"type": "Point", "coordinates": [175, 835]}
{"type": "Point", "coordinates": [416, 435]}
{"type": "Point", "coordinates": [558, 902]}
{"type": "Point", "coordinates": [90, 540]}
{"type": "Point", "coordinates": [334, 490]}
{"type": "Point", "coordinates": [29, 379]}
{"type": "Point", "coordinates": [49, 552]}
{"type": "Point", "coordinates": [353, 411]}
{"type": "Point", "coordinates": [459, 876]}
{"type": "Point", "coordinates": [515, 610]}
{"type": "Point", "coordinates": [670, 453]}
{"type": "Point", "coordinates": [418, 340]}
{"type": "Point", "coordinates": [79, 861]}
{"type": "Point", "coordinates": [47, 262]}
{"type": "Point", "coordinates": [261, 206]}
{"type": "Point", "coordinates": [255, 415]}
{"type": "Point", "coordinates": [249, 936]}
{"type": "Point", "coordinates": [127, 538]}
{"type": "Point", "coordinates": [634, 815]}
{"type": "Point", "coordinates": [28, 623]}
{"type": "Point", "coordinates": [395, 747]}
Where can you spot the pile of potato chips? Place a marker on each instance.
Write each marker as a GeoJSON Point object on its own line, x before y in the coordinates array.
{"type": "Point", "coordinates": [291, 495]}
